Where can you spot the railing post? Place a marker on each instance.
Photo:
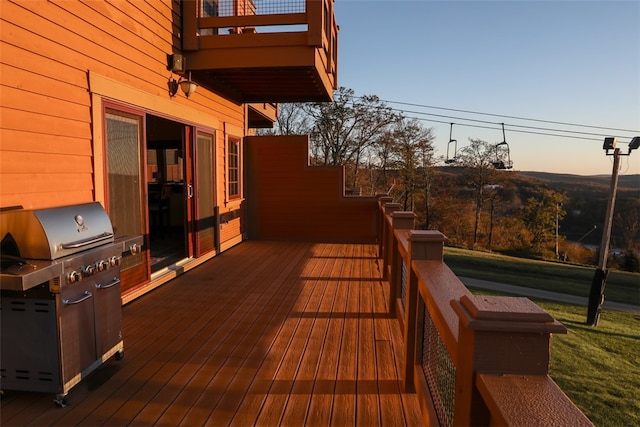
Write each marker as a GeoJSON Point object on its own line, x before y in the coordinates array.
{"type": "Point", "coordinates": [497, 335]}
{"type": "Point", "coordinates": [424, 245]}
{"type": "Point", "coordinates": [400, 220]}
{"type": "Point", "coordinates": [382, 200]}
{"type": "Point", "coordinates": [315, 18]}
{"type": "Point", "coordinates": [190, 25]}
{"type": "Point", "coordinates": [387, 237]}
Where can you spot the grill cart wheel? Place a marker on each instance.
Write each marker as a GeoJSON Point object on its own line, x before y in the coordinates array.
{"type": "Point", "coordinates": [61, 401]}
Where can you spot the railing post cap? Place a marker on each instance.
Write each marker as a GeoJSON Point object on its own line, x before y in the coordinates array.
{"type": "Point", "coordinates": [505, 313]}
{"type": "Point", "coordinates": [391, 207]}
{"type": "Point", "coordinates": [403, 214]}
{"type": "Point", "coordinates": [427, 236]}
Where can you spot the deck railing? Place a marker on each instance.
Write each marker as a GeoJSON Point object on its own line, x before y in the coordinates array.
{"type": "Point", "coordinates": [472, 360]}
{"type": "Point", "coordinates": [272, 19]}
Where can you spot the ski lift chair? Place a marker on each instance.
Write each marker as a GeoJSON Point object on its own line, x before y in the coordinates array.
{"type": "Point", "coordinates": [450, 160]}
{"type": "Point", "coordinates": [499, 162]}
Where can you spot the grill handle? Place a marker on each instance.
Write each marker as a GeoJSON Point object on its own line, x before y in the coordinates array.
{"type": "Point", "coordinates": [86, 242]}
{"type": "Point", "coordinates": [113, 283]}
{"type": "Point", "coordinates": [85, 296]}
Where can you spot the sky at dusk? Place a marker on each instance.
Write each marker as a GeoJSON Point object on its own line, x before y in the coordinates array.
{"type": "Point", "coordinates": [575, 62]}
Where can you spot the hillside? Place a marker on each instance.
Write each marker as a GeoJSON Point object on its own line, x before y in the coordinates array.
{"type": "Point", "coordinates": [594, 186]}
{"type": "Point", "coordinates": [585, 201]}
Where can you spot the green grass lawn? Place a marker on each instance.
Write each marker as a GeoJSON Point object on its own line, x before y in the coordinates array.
{"type": "Point", "coordinates": [598, 368]}
{"type": "Point", "coordinates": [550, 276]}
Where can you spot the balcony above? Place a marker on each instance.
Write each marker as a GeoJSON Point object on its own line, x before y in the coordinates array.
{"type": "Point", "coordinates": [262, 115]}
{"type": "Point", "coordinates": [264, 52]}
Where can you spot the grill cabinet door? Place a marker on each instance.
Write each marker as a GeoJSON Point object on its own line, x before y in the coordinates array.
{"type": "Point", "coordinates": [108, 306]}
{"type": "Point", "coordinates": [77, 331]}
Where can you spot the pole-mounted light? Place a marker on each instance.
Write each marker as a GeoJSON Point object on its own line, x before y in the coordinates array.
{"type": "Point", "coordinates": [599, 281]}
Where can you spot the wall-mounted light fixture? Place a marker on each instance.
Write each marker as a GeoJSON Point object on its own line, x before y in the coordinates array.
{"type": "Point", "coordinates": [177, 64]}
{"type": "Point", "coordinates": [187, 86]}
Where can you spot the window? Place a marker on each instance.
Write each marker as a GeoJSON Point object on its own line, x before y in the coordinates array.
{"type": "Point", "coordinates": [123, 135]}
{"type": "Point", "coordinates": [233, 168]}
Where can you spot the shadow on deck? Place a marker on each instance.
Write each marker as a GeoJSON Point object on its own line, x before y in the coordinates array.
{"type": "Point", "coordinates": [267, 333]}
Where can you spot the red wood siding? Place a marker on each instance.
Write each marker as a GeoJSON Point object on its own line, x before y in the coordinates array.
{"type": "Point", "coordinates": [288, 199]}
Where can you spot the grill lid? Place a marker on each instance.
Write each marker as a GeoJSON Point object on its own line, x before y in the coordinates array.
{"type": "Point", "coordinates": [53, 233]}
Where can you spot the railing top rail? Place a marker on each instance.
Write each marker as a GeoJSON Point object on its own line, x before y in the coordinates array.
{"type": "Point", "coordinates": [402, 236]}
{"type": "Point", "coordinates": [507, 395]}
{"type": "Point", "coordinates": [439, 286]}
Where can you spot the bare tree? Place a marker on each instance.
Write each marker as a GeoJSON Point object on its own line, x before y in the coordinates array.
{"type": "Point", "coordinates": [345, 128]}
{"type": "Point", "coordinates": [412, 151]}
{"type": "Point", "coordinates": [292, 120]}
{"type": "Point", "coordinates": [478, 160]}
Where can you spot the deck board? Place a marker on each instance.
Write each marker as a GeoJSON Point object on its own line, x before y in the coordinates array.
{"type": "Point", "coordinates": [267, 333]}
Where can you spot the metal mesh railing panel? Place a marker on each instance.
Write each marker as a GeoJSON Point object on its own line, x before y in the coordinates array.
{"type": "Point", "coordinates": [403, 283]}
{"type": "Point", "coordinates": [255, 7]}
{"type": "Point", "coordinates": [439, 371]}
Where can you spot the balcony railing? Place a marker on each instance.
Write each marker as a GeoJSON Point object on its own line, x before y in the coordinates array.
{"type": "Point", "coordinates": [473, 360]}
{"type": "Point", "coordinates": [240, 44]}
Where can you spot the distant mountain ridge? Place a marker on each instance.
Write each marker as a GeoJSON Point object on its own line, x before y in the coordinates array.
{"type": "Point", "coordinates": [592, 185]}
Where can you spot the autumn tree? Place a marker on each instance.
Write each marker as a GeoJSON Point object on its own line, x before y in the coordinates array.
{"type": "Point", "coordinates": [479, 173]}
{"type": "Point", "coordinates": [539, 215]}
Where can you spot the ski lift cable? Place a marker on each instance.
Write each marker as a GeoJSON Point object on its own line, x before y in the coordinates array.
{"type": "Point", "coordinates": [510, 124]}
{"type": "Point", "coordinates": [512, 130]}
{"type": "Point", "coordinates": [510, 117]}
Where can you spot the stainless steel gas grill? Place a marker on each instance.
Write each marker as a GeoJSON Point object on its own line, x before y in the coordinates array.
{"type": "Point", "coordinates": [60, 297]}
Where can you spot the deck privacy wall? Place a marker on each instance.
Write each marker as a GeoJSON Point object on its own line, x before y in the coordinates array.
{"type": "Point", "coordinates": [289, 200]}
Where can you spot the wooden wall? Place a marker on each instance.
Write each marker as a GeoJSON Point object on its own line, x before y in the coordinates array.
{"type": "Point", "coordinates": [289, 200]}
{"type": "Point", "coordinates": [49, 130]}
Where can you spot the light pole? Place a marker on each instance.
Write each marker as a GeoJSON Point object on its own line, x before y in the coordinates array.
{"type": "Point", "coordinates": [558, 204]}
{"type": "Point", "coordinates": [596, 295]}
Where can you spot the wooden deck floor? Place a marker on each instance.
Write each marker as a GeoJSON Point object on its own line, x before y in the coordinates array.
{"type": "Point", "coordinates": [268, 333]}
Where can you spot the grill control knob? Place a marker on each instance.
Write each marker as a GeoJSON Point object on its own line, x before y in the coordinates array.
{"type": "Point", "coordinates": [113, 261]}
{"type": "Point", "coordinates": [74, 277]}
{"type": "Point", "coordinates": [88, 270]}
{"type": "Point", "coordinates": [102, 265]}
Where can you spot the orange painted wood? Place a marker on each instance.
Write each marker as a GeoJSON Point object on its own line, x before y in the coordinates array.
{"type": "Point", "coordinates": [37, 184]}
{"type": "Point", "coordinates": [17, 140]}
{"type": "Point", "coordinates": [21, 162]}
